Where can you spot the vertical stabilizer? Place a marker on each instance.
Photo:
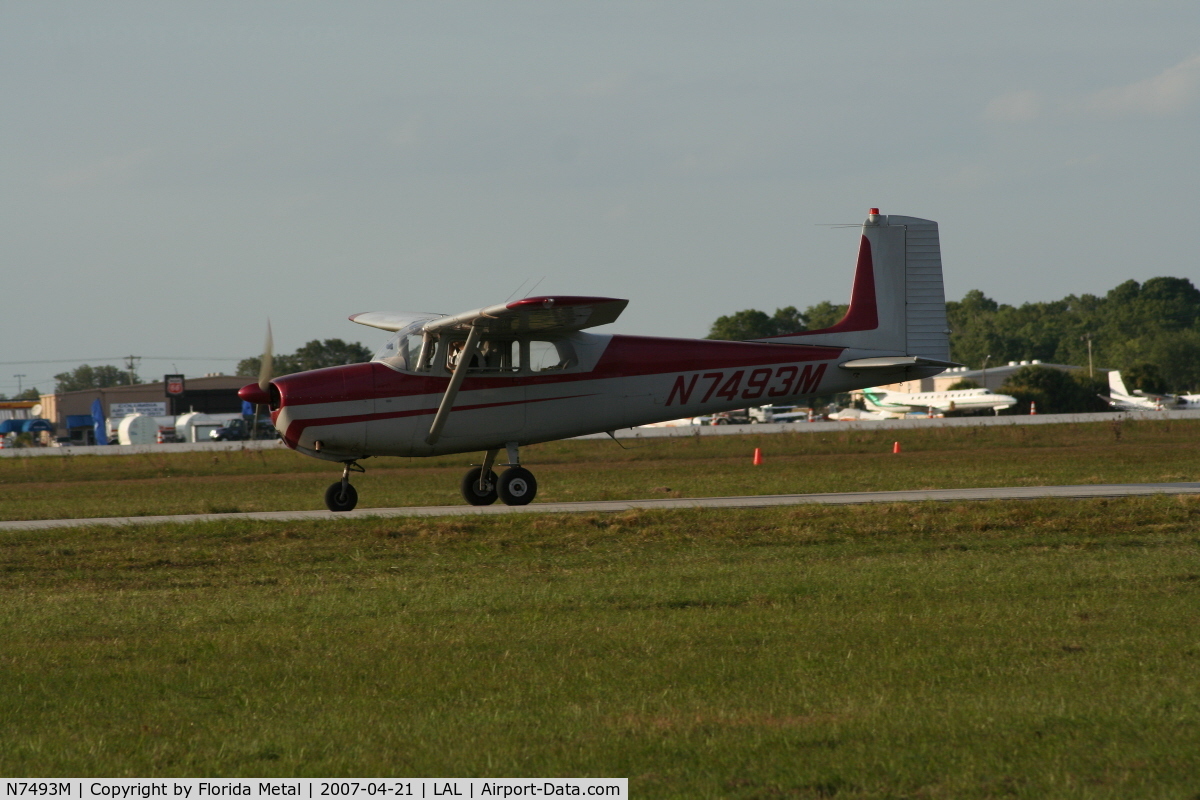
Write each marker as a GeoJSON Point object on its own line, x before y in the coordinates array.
{"type": "Point", "coordinates": [897, 304]}
{"type": "Point", "coordinates": [1116, 384]}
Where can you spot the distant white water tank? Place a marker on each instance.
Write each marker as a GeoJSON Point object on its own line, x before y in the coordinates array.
{"type": "Point", "coordinates": [137, 429]}
{"type": "Point", "coordinates": [195, 426]}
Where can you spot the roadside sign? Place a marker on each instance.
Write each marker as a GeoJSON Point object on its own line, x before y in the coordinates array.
{"type": "Point", "coordinates": [150, 409]}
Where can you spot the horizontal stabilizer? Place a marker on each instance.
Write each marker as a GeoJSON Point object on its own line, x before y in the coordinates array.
{"type": "Point", "coordinates": [894, 362]}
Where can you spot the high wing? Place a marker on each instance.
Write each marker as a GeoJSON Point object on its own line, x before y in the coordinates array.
{"type": "Point", "coordinates": [390, 322]}
{"type": "Point", "coordinates": [529, 315]}
{"type": "Point", "coordinates": [535, 315]}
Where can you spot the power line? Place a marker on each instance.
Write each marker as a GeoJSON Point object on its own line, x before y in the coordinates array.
{"type": "Point", "coordinates": [122, 358]}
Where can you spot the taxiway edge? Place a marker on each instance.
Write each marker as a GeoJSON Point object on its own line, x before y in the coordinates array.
{"type": "Point", "coordinates": [610, 506]}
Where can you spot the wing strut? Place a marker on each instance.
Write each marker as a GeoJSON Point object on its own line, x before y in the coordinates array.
{"type": "Point", "coordinates": [460, 372]}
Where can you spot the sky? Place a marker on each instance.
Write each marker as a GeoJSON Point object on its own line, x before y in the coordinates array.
{"type": "Point", "coordinates": [173, 174]}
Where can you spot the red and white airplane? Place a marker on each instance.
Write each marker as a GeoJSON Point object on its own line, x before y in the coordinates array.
{"type": "Point", "coordinates": [525, 372]}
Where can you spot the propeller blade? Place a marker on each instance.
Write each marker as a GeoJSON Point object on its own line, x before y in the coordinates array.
{"type": "Point", "coordinates": [264, 371]}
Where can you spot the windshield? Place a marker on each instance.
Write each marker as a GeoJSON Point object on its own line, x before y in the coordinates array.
{"type": "Point", "coordinates": [402, 349]}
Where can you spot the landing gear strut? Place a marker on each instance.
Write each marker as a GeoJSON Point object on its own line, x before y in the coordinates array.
{"type": "Point", "coordinates": [516, 486]}
{"type": "Point", "coordinates": [341, 496]}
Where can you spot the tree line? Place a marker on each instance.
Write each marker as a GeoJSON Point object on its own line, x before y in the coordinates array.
{"type": "Point", "coordinates": [313, 355]}
{"type": "Point", "coordinates": [1150, 331]}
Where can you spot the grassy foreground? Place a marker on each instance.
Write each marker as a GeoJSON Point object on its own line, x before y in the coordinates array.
{"type": "Point", "coordinates": [1033, 649]}
{"type": "Point", "coordinates": [802, 462]}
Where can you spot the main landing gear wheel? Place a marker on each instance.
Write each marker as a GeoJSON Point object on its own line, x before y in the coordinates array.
{"type": "Point", "coordinates": [471, 491]}
{"type": "Point", "coordinates": [341, 496]}
{"type": "Point", "coordinates": [517, 486]}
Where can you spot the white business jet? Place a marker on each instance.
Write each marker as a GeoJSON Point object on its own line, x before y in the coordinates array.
{"type": "Point", "coordinates": [901, 403]}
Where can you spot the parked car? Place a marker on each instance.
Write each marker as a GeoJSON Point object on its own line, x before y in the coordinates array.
{"type": "Point", "coordinates": [739, 416]}
{"type": "Point", "coordinates": [237, 430]}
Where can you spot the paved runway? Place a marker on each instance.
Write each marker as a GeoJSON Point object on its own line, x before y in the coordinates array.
{"type": "Point", "coordinates": [608, 506]}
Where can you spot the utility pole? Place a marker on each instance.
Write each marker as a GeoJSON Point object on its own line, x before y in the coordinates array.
{"type": "Point", "coordinates": [1087, 337]}
{"type": "Point", "coordinates": [985, 360]}
{"type": "Point", "coordinates": [18, 376]}
{"type": "Point", "coordinates": [131, 363]}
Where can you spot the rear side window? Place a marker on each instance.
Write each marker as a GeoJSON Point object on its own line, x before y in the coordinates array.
{"type": "Point", "coordinates": [546, 356]}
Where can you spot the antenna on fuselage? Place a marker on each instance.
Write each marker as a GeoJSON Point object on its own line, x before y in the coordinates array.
{"type": "Point", "coordinates": [613, 435]}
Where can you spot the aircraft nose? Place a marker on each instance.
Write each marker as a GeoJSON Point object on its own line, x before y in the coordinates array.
{"type": "Point", "coordinates": [253, 393]}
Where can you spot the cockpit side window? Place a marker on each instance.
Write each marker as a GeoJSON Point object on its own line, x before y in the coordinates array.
{"type": "Point", "coordinates": [413, 351]}
{"type": "Point", "coordinates": [494, 356]}
{"type": "Point", "coordinates": [547, 355]}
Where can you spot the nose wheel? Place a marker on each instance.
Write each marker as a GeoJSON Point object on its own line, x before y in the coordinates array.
{"type": "Point", "coordinates": [341, 496]}
{"type": "Point", "coordinates": [516, 486]}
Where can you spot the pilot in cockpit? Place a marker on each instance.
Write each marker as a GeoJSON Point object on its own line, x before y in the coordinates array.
{"type": "Point", "coordinates": [455, 351]}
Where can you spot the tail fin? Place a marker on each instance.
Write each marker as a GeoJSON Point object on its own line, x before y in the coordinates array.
{"type": "Point", "coordinates": [897, 304]}
{"type": "Point", "coordinates": [875, 399]}
{"type": "Point", "coordinates": [1116, 383]}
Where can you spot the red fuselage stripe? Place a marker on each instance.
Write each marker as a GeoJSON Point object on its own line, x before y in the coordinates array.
{"type": "Point", "coordinates": [297, 427]}
{"type": "Point", "coordinates": [624, 357]}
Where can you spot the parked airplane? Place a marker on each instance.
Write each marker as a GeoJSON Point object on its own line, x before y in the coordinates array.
{"type": "Point", "coordinates": [524, 372]}
{"type": "Point", "coordinates": [901, 403]}
{"type": "Point", "coordinates": [857, 415]}
{"type": "Point", "coordinates": [1137, 400]}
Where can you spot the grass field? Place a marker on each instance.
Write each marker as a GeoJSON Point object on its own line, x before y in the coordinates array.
{"type": "Point", "coordinates": [250, 480]}
{"type": "Point", "coordinates": [1037, 649]}
{"type": "Point", "coordinates": [1022, 649]}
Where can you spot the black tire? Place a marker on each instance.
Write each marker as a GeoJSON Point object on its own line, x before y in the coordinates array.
{"type": "Point", "coordinates": [470, 488]}
{"type": "Point", "coordinates": [720, 421]}
{"type": "Point", "coordinates": [337, 500]}
{"type": "Point", "coordinates": [517, 486]}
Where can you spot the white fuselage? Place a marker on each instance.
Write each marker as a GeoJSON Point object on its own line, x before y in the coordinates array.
{"type": "Point", "coordinates": [617, 382]}
{"type": "Point", "coordinates": [901, 403]}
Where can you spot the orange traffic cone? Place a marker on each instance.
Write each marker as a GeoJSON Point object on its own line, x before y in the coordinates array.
{"type": "Point", "coordinates": [757, 457]}
{"type": "Point", "coordinates": [1032, 408]}
{"type": "Point", "coordinates": [895, 448]}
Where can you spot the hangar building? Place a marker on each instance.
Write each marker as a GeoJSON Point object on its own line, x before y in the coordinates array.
{"type": "Point", "coordinates": [212, 394]}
